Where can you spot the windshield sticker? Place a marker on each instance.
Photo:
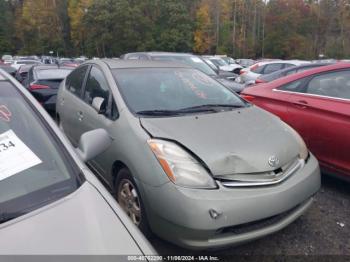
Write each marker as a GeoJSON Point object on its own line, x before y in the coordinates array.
{"type": "Point", "coordinates": [191, 85]}
{"type": "Point", "coordinates": [5, 113]}
{"type": "Point", "coordinates": [201, 78]}
{"type": "Point", "coordinates": [15, 156]}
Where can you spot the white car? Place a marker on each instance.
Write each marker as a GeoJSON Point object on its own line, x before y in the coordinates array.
{"type": "Point", "coordinates": [223, 65]}
{"type": "Point", "coordinates": [18, 63]}
{"type": "Point", "coordinates": [50, 202]}
{"type": "Point", "coordinates": [250, 74]}
{"type": "Point", "coordinates": [8, 59]}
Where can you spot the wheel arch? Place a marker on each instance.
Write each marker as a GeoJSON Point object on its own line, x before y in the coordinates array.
{"type": "Point", "coordinates": [116, 167]}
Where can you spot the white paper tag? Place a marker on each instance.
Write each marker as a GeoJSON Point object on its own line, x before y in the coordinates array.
{"type": "Point", "coordinates": [15, 156]}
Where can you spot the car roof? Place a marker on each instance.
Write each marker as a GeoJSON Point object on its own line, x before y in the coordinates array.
{"type": "Point", "coordinates": [313, 71]}
{"type": "Point", "coordinates": [46, 67]}
{"type": "Point", "coordinates": [294, 62]}
{"type": "Point", "coordinates": [296, 68]}
{"type": "Point", "coordinates": [160, 53]}
{"type": "Point", "coordinates": [123, 64]}
{"type": "Point", "coordinates": [26, 60]}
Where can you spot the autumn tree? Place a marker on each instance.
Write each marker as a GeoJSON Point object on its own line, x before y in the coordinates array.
{"type": "Point", "coordinates": [203, 38]}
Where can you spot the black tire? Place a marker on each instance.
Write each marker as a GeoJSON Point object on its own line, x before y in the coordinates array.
{"type": "Point", "coordinates": [124, 176]}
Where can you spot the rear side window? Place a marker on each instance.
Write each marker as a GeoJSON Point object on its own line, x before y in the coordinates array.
{"type": "Point", "coordinates": [133, 57]}
{"type": "Point", "coordinates": [335, 84]}
{"type": "Point", "coordinates": [96, 86]}
{"type": "Point", "coordinates": [293, 86]}
{"type": "Point", "coordinates": [288, 65]}
{"type": "Point", "coordinates": [291, 72]}
{"type": "Point", "coordinates": [143, 57]}
{"type": "Point", "coordinates": [75, 80]}
{"type": "Point", "coordinates": [272, 68]}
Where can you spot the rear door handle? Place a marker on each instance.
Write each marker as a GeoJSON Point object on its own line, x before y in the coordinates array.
{"type": "Point", "coordinates": [80, 116]}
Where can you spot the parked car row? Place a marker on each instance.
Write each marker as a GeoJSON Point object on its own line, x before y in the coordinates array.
{"type": "Point", "coordinates": [224, 77]}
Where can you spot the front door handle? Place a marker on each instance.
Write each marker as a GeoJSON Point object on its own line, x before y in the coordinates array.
{"type": "Point", "coordinates": [80, 116]}
{"type": "Point", "coordinates": [301, 104]}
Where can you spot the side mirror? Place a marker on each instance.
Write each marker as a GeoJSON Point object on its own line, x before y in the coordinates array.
{"type": "Point", "coordinates": [93, 143]}
{"type": "Point", "coordinates": [99, 104]}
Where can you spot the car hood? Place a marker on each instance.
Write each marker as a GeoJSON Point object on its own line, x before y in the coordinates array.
{"type": "Point", "coordinates": [82, 223]}
{"type": "Point", "coordinates": [233, 86]}
{"type": "Point", "coordinates": [230, 67]}
{"type": "Point", "coordinates": [239, 141]}
{"type": "Point", "coordinates": [226, 74]}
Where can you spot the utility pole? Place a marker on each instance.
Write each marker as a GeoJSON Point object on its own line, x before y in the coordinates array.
{"type": "Point", "coordinates": [234, 29]}
{"type": "Point", "coordinates": [217, 25]}
{"type": "Point", "coordinates": [263, 31]}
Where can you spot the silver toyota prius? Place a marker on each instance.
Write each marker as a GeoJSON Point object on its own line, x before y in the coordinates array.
{"type": "Point", "coordinates": [50, 203]}
{"type": "Point", "coordinates": [190, 161]}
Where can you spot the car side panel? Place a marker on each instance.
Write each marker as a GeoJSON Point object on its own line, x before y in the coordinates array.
{"type": "Point", "coordinates": [324, 123]}
{"type": "Point", "coordinates": [71, 114]}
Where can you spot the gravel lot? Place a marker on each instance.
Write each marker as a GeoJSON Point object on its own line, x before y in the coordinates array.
{"type": "Point", "coordinates": [323, 230]}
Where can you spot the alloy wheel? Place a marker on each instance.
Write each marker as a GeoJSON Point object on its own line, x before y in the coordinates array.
{"type": "Point", "coordinates": [129, 200]}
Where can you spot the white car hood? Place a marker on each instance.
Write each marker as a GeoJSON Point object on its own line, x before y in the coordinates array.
{"type": "Point", "coordinates": [229, 68]}
{"type": "Point", "coordinates": [82, 223]}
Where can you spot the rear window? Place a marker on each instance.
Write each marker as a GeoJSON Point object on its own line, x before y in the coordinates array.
{"type": "Point", "coordinates": [28, 62]}
{"type": "Point", "coordinates": [257, 69]}
{"type": "Point", "coordinates": [52, 73]}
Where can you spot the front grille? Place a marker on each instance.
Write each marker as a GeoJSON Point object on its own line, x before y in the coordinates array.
{"type": "Point", "coordinates": [262, 179]}
{"type": "Point", "coordinates": [256, 225]}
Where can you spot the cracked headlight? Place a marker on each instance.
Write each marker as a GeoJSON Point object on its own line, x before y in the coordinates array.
{"type": "Point", "coordinates": [303, 151]}
{"type": "Point", "coordinates": [181, 168]}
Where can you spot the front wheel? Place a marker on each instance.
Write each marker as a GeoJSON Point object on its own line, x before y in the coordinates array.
{"type": "Point", "coordinates": [130, 201]}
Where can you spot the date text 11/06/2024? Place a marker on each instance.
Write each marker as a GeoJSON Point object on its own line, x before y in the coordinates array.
{"type": "Point", "coordinates": [173, 258]}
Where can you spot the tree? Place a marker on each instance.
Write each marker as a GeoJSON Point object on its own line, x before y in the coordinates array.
{"type": "Point", "coordinates": [5, 28]}
{"type": "Point", "coordinates": [203, 39]}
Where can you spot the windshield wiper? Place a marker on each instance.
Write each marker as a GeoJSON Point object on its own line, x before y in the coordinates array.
{"type": "Point", "coordinates": [192, 109]}
{"type": "Point", "coordinates": [209, 107]}
{"type": "Point", "coordinates": [158, 112]}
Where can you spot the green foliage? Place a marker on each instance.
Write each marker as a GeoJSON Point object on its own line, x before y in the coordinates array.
{"type": "Point", "coordinates": [6, 25]}
{"type": "Point", "coordinates": [240, 28]}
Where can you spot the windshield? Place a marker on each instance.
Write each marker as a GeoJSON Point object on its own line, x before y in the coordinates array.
{"type": "Point", "coordinates": [34, 170]}
{"type": "Point", "coordinates": [193, 61]}
{"type": "Point", "coordinates": [210, 63]}
{"type": "Point", "coordinates": [173, 91]}
{"type": "Point", "coordinates": [219, 62]}
{"type": "Point", "coordinates": [52, 73]}
{"type": "Point", "coordinates": [228, 60]}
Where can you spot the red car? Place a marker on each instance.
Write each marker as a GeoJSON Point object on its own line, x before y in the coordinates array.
{"type": "Point", "coordinates": [316, 103]}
